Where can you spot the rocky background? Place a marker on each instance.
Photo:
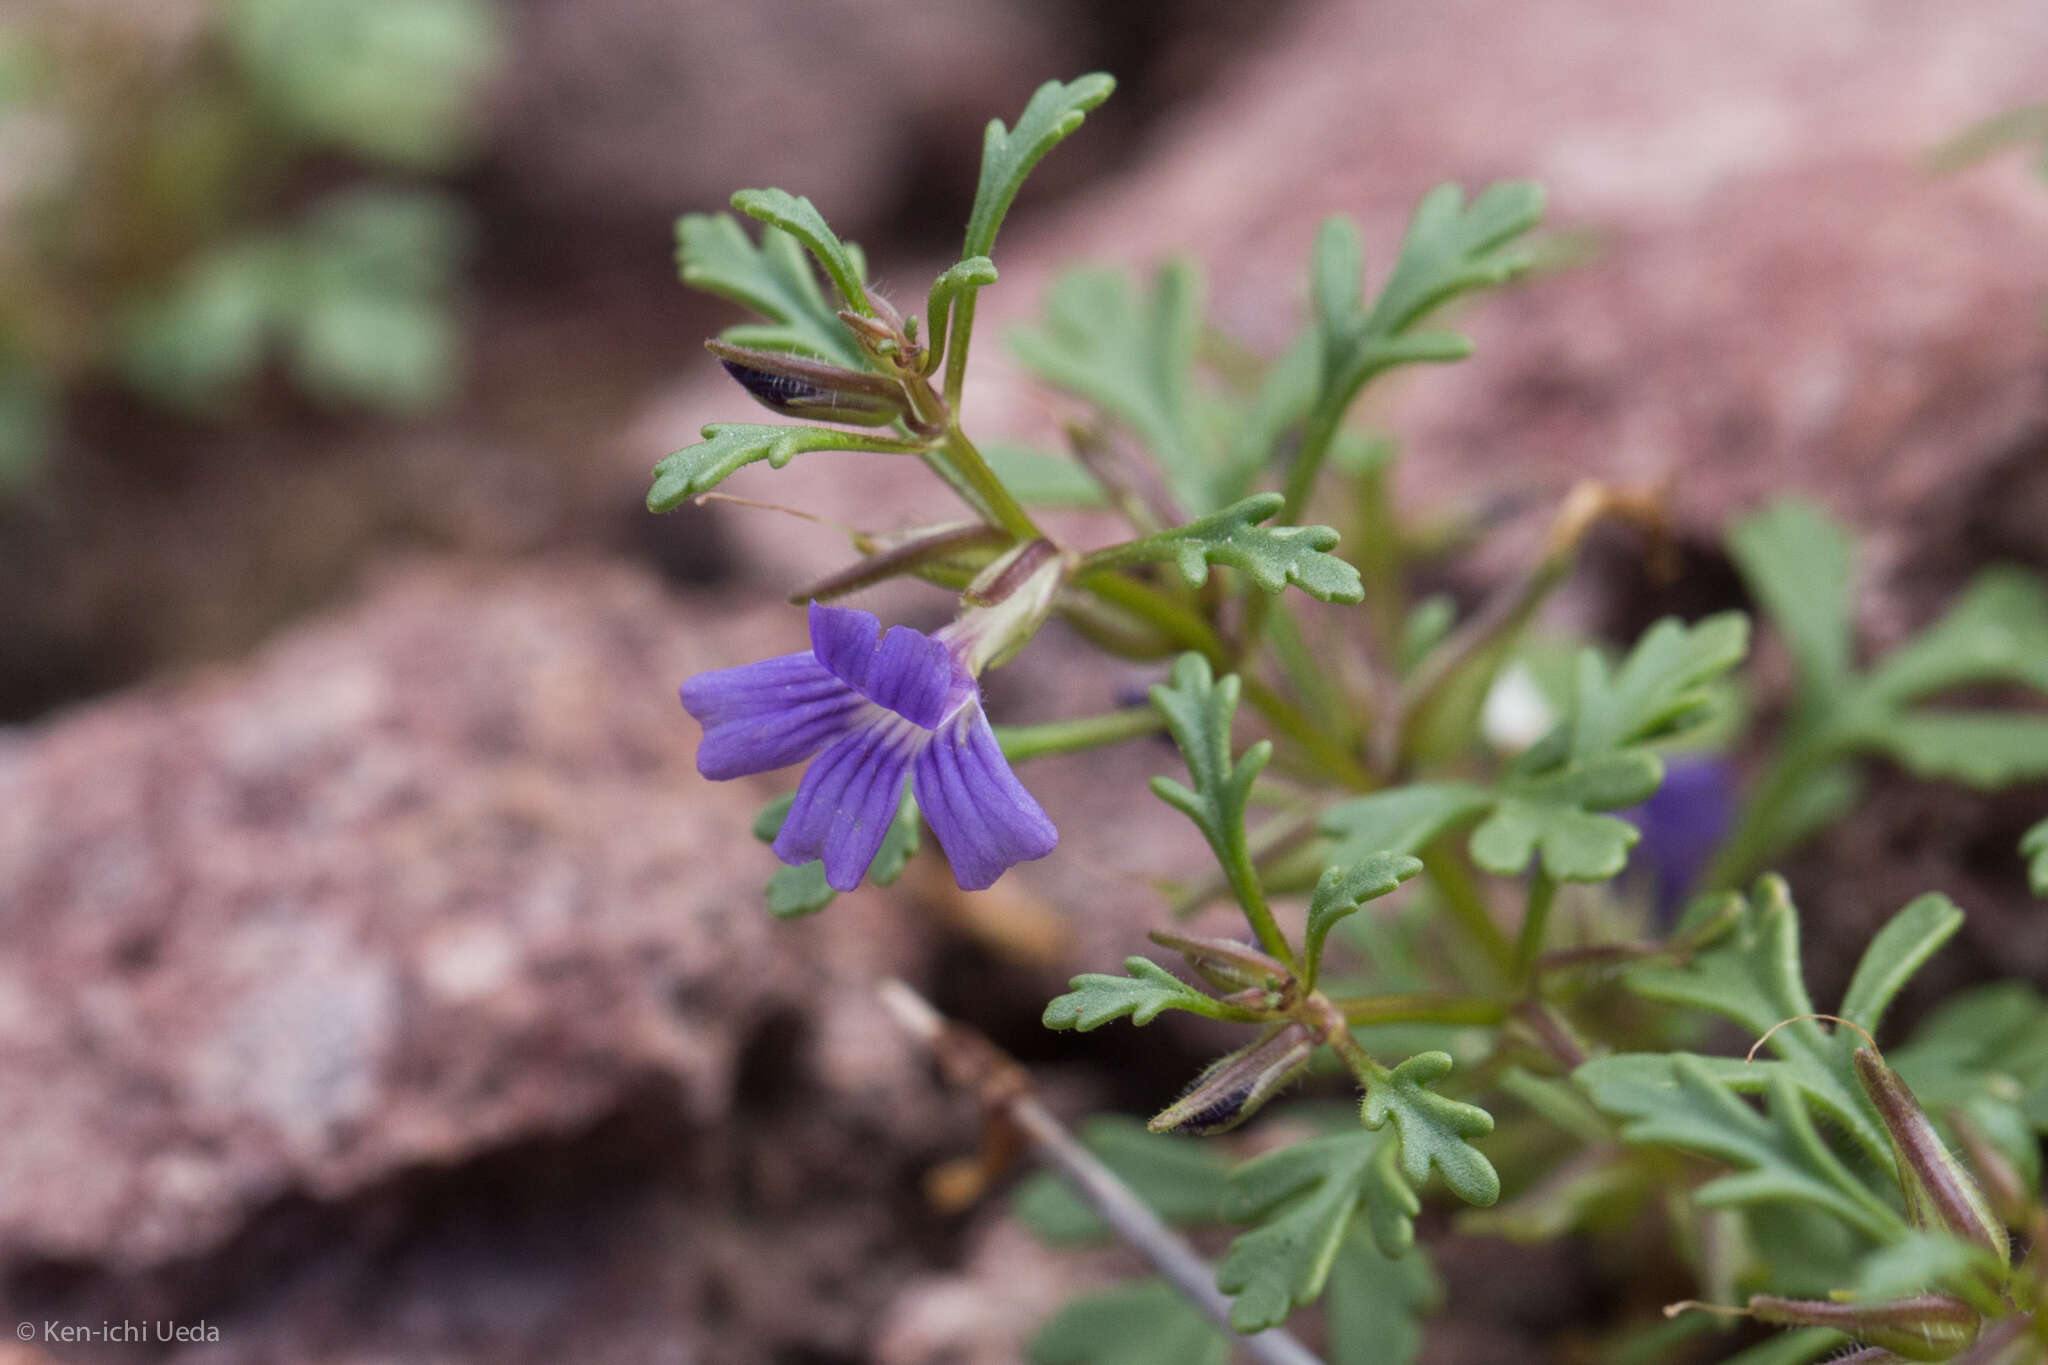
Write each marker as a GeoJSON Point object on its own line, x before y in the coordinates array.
{"type": "Point", "coordinates": [380, 983]}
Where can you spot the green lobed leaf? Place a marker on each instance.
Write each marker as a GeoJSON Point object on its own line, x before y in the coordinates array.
{"type": "Point", "coordinates": [1183, 1180]}
{"type": "Point", "coordinates": [1751, 975]}
{"type": "Point", "coordinates": [1054, 111]}
{"type": "Point", "coordinates": [1147, 1323]}
{"type": "Point", "coordinates": [1271, 556]}
{"type": "Point", "coordinates": [1434, 1129]}
{"type": "Point", "coordinates": [1983, 749]}
{"type": "Point", "coordinates": [1800, 564]}
{"type": "Point", "coordinates": [1661, 690]}
{"type": "Point", "coordinates": [1400, 820]}
{"type": "Point", "coordinates": [1997, 632]}
{"type": "Point", "coordinates": [1341, 890]}
{"type": "Point", "coordinates": [799, 217]}
{"type": "Point", "coordinates": [1198, 708]}
{"type": "Point", "coordinates": [1449, 249]}
{"type": "Point", "coordinates": [1900, 949]}
{"type": "Point", "coordinates": [1679, 1100]}
{"type": "Point", "coordinates": [1553, 817]}
{"type": "Point", "coordinates": [1988, 1042]}
{"type": "Point", "coordinates": [1377, 1303]}
{"type": "Point", "coordinates": [1097, 998]}
{"type": "Point", "coordinates": [731, 446]}
{"type": "Point", "coordinates": [2034, 848]}
{"type": "Point", "coordinates": [1304, 1197]}
{"type": "Point", "coordinates": [1131, 355]}
{"type": "Point", "coordinates": [773, 279]}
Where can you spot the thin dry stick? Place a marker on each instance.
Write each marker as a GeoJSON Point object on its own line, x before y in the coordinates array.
{"type": "Point", "coordinates": [971, 1061]}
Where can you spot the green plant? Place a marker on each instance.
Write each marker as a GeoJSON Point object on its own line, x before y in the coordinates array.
{"type": "Point", "coordinates": [1540, 1067]}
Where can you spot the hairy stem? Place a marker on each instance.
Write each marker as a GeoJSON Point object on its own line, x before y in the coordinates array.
{"type": "Point", "coordinates": [972, 1062]}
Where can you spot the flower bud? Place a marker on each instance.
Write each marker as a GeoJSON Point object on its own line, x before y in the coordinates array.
{"type": "Point", "coordinates": [1007, 603]}
{"type": "Point", "coordinates": [1232, 1088]}
{"type": "Point", "coordinates": [1229, 965]}
{"type": "Point", "coordinates": [1939, 1192]}
{"type": "Point", "coordinates": [1923, 1327]}
{"type": "Point", "coordinates": [802, 386]}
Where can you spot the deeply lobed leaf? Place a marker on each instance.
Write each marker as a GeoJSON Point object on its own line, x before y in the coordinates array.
{"type": "Point", "coordinates": [1096, 998]}
{"type": "Point", "coordinates": [1434, 1129]}
{"type": "Point", "coordinates": [1304, 1197]}
{"type": "Point", "coordinates": [773, 279]}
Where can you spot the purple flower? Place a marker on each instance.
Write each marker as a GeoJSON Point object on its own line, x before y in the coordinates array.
{"type": "Point", "coordinates": [1683, 824]}
{"type": "Point", "coordinates": [875, 709]}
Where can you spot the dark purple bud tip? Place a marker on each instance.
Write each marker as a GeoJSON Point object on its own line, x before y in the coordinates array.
{"type": "Point", "coordinates": [1234, 1087]}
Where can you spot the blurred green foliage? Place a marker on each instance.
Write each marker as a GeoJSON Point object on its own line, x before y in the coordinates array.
{"type": "Point", "coordinates": [186, 199]}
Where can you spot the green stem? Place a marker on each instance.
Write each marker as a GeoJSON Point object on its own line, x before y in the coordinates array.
{"type": "Point", "coordinates": [1007, 511]}
{"type": "Point", "coordinates": [1020, 742]}
{"type": "Point", "coordinates": [1535, 920]}
{"type": "Point", "coordinates": [956, 347]}
{"type": "Point", "coordinates": [1461, 897]}
{"type": "Point", "coordinates": [1189, 631]}
{"type": "Point", "coordinates": [1316, 439]}
{"type": "Point", "coordinates": [1422, 1007]}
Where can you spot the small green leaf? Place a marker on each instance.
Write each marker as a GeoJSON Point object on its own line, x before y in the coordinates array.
{"type": "Point", "coordinates": [2034, 848]}
{"type": "Point", "coordinates": [731, 446]}
{"type": "Point", "coordinates": [1984, 749]}
{"type": "Point", "coordinates": [1055, 110]}
{"type": "Point", "coordinates": [961, 280]}
{"type": "Point", "coordinates": [1147, 1323]}
{"type": "Point", "coordinates": [1900, 949]}
{"type": "Point", "coordinates": [1800, 565]}
{"type": "Point", "coordinates": [1271, 556]}
{"type": "Point", "coordinates": [1183, 1180]}
{"type": "Point", "coordinates": [1377, 1303]}
{"type": "Point", "coordinates": [1434, 1128]}
{"type": "Point", "coordinates": [1342, 890]}
{"type": "Point", "coordinates": [774, 279]}
{"type": "Point", "coordinates": [1551, 816]}
{"type": "Point", "coordinates": [1199, 708]}
{"type": "Point", "coordinates": [1752, 976]}
{"type": "Point", "coordinates": [793, 892]}
{"type": "Point", "coordinates": [1132, 356]}
{"type": "Point", "coordinates": [1403, 819]}
{"type": "Point", "coordinates": [1097, 998]}
{"type": "Point", "coordinates": [1661, 690]}
{"type": "Point", "coordinates": [1997, 632]}
{"type": "Point", "coordinates": [1304, 1197]}
{"type": "Point", "coordinates": [1449, 250]}
{"type": "Point", "coordinates": [1679, 1100]}
{"type": "Point", "coordinates": [799, 217]}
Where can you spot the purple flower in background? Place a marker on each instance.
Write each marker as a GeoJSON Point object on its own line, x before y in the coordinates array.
{"type": "Point", "coordinates": [875, 709]}
{"type": "Point", "coordinates": [1683, 824]}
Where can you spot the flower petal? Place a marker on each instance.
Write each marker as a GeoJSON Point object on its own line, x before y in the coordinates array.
{"type": "Point", "coordinates": [767, 715]}
{"type": "Point", "coordinates": [984, 818]}
{"type": "Point", "coordinates": [916, 676]}
{"type": "Point", "coordinates": [843, 638]}
{"type": "Point", "coordinates": [848, 799]}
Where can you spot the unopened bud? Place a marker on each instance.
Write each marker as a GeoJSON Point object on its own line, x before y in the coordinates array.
{"type": "Point", "coordinates": [1229, 965]}
{"type": "Point", "coordinates": [801, 386]}
{"type": "Point", "coordinates": [1008, 602]}
{"type": "Point", "coordinates": [1939, 1192]}
{"type": "Point", "coordinates": [1234, 1087]}
{"type": "Point", "coordinates": [1923, 1327]}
